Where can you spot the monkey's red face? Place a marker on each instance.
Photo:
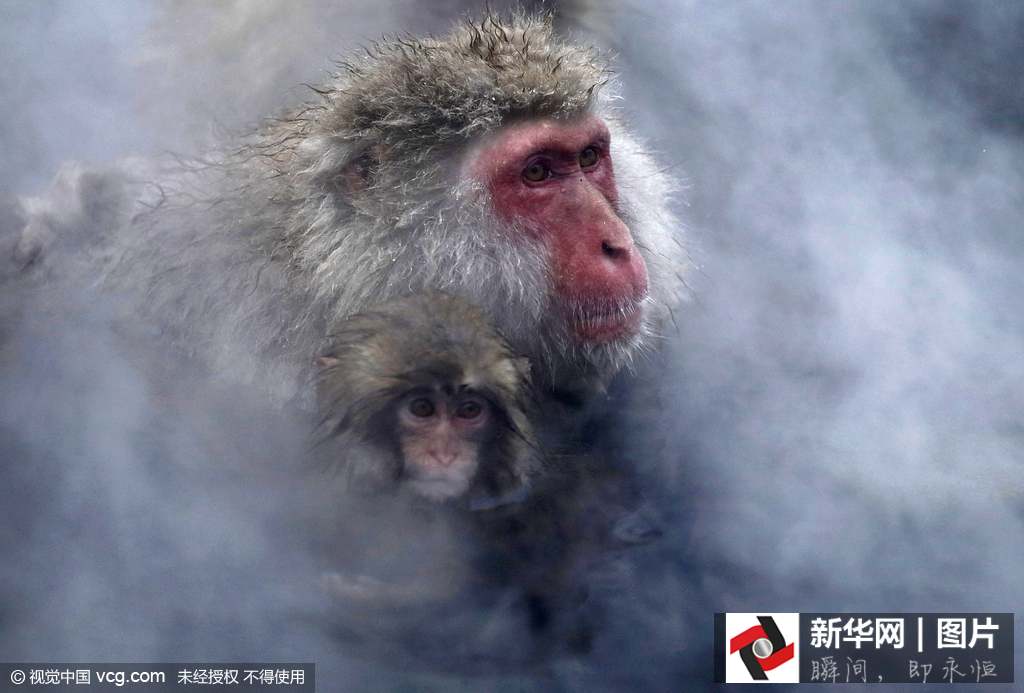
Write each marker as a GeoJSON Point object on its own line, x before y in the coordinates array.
{"type": "Point", "coordinates": [554, 182]}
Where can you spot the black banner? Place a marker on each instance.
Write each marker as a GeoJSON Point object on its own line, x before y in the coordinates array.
{"type": "Point", "coordinates": [158, 677]}
{"type": "Point", "coordinates": [906, 648]}
{"type": "Point", "coordinates": [864, 648]}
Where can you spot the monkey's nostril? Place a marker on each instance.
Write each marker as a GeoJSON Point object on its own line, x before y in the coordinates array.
{"type": "Point", "coordinates": [612, 252]}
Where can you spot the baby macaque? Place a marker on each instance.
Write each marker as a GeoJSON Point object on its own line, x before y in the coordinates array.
{"type": "Point", "coordinates": [422, 401]}
{"type": "Point", "coordinates": [421, 393]}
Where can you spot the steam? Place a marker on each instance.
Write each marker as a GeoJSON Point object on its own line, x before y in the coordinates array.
{"type": "Point", "coordinates": [834, 422]}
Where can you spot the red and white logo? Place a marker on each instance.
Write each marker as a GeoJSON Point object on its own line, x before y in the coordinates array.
{"type": "Point", "coordinates": [762, 648]}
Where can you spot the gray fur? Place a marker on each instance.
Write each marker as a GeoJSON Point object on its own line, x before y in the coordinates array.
{"type": "Point", "coordinates": [252, 256]}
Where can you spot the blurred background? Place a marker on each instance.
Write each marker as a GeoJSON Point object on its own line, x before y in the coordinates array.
{"type": "Point", "coordinates": [835, 421]}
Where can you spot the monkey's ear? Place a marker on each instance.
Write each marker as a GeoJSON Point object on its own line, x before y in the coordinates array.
{"type": "Point", "coordinates": [327, 362]}
{"type": "Point", "coordinates": [357, 175]}
{"type": "Point", "coordinates": [353, 178]}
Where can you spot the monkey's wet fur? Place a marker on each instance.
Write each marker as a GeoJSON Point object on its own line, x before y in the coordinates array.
{"type": "Point", "coordinates": [446, 257]}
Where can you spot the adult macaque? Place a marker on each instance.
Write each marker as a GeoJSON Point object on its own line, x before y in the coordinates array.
{"type": "Point", "coordinates": [488, 164]}
{"type": "Point", "coordinates": [421, 393]}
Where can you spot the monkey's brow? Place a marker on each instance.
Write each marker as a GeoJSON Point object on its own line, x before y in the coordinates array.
{"type": "Point", "coordinates": [440, 375]}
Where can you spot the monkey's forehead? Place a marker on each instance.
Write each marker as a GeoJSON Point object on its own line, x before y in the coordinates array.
{"type": "Point", "coordinates": [443, 369]}
{"type": "Point", "coordinates": [422, 338]}
{"type": "Point", "coordinates": [405, 352]}
{"type": "Point", "coordinates": [480, 76]}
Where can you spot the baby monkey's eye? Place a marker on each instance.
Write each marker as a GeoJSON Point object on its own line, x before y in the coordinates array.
{"type": "Point", "coordinates": [421, 407]}
{"type": "Point", "coordinates": [588, 157]}
{"type": "Point", "coordinates": [469, 409]}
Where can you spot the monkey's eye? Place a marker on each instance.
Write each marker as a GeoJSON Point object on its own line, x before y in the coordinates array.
{"type": "Point", "coordinates": [421, 407]}
{"type": "Point", "coordinates": [469, 409]}
{"type": "Point", "coordinates": [588, 157]}
{"type": "Point", "coordinates": [536, 172]}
